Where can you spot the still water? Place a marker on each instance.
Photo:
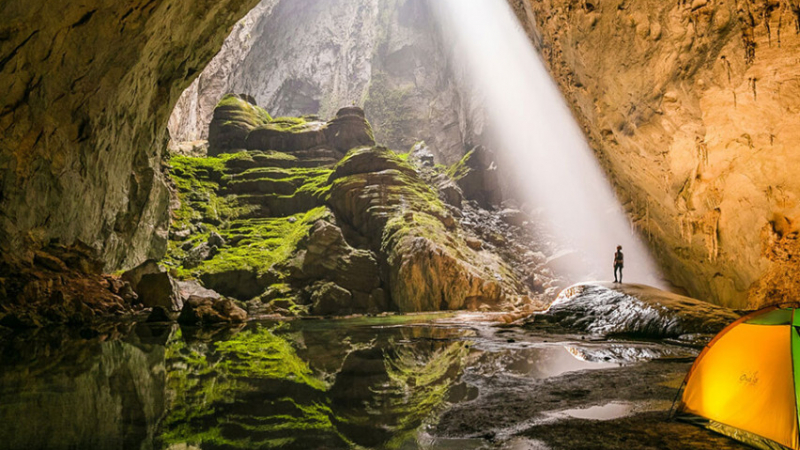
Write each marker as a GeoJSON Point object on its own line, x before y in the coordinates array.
{"type": "Point", "coordinates": [358, 383]}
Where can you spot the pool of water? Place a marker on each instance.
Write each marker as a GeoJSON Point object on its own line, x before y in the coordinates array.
{"type": "Point", "coordinates": [360, 383]}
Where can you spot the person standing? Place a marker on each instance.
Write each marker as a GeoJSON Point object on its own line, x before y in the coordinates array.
{"type": "Point", "coordinates": [619, 261]}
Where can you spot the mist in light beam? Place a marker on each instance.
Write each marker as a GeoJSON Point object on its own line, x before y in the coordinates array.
{"type": "Point", "coordinates": [533, 128]}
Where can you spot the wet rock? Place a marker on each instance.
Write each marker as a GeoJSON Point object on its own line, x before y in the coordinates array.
{"type": "Point", "coordinates": [134, 276]}
{"type": "Point", "coordinates": [160, 314]}
{"type": "Point", "coordinates": [634, 309]}
{"type": "Point", "coordinates": [159, 290]}
{"type": "Point", "coordinates": [330, 299]}
{"type": "Point", "coordinates": [210, 311]}
{"type": "Point", "coordinates": [121, 288]}
{"type": "Point", "coordinates": [192, 288]}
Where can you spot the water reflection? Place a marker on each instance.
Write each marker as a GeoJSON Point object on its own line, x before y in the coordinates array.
{"type": "Point", "coordinates": [366, 383]}
{"type": "Point", "coordinates": [535, 362]}
{"type": "Point", "coordinates": [366, 387]}
{"type": "Point", "coordinates": [61, 390]}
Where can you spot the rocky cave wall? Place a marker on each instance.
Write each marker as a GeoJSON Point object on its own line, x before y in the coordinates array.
{"type": "Point", "coordinates": [89, 87]}
{"type": "Point", "coordinates": [692, 108]}
{"type": "Point", "coordinates": [299, 57]}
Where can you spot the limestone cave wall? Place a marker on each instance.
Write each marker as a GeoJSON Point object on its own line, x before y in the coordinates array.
{"type": "Point", "coordinates": [87, 91]}
{"type": "Point", "coordinates": [299, 57]}
{"type": "Point", "coordinates": [692, 108]}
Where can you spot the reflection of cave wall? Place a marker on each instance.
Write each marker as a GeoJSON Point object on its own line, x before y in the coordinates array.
{"type": "Point", "coordinates": [88, 88]}
{"type": "Point", "coordinates": [693, 109]}
{"type": "Point", "coordinates": [82, 395]}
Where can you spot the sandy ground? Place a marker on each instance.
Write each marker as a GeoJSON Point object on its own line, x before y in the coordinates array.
{"type": "Point", "coordinates": [625, 406]}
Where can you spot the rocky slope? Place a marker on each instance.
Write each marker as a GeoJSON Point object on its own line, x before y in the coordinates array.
{"type": "Point", "coordinates": [692, 108]}
{"type": "Point", "coordinates": [299, 216]}
{"type": "Point", "coordinates": [315, 56]}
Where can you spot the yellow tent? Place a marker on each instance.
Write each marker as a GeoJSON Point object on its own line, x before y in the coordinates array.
{"type": "Point", "coordinates": [744, 384]}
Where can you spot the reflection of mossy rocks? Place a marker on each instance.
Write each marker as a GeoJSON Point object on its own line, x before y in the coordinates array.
{"type": "Point", "coordinates": [234, 117]}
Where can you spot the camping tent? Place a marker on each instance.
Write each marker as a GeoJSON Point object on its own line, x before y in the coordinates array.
{"type": "Point", "coordinates": [745, 383]}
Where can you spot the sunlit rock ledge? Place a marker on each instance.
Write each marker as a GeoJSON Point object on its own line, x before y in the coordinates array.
{"type": "Point", "coordinates": [633, 309]}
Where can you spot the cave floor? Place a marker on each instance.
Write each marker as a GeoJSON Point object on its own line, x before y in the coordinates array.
{"type": "Point", "coordinates": [438, 381]}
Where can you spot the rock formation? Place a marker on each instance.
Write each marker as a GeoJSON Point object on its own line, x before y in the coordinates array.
{"type": "Point", "coordinates": [299, 57]}
{"type": "Point", "coordinates": [634, 310]}
{"type": "Point", "coordinates": [691, 107]}
{"type": "Point", "coordinates": [313, 217]}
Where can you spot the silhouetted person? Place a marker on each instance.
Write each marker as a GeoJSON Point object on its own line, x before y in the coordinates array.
{"type": "Point", "coordinates": [619, 261]}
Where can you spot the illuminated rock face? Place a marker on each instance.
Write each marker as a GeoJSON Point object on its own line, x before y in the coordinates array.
{"type": "Point", "coordinates": [88, 88]}
{"type": "Point", "coordinates": [692, 108]}
{"type": "Point", "coordinates": [301, 57]}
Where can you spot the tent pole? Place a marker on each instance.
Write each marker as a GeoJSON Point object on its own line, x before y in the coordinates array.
{"type": "Point", "coordinates": [677, 394]}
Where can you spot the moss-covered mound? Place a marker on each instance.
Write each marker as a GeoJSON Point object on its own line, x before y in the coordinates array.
{"type": "Point", "coordinates": [238, 123]}
{"type": "Point", "coordinates": [294, 225]}
{"type": "Point", "coordinates": [234, 117]}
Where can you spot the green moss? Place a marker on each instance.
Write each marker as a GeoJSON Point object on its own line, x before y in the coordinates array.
{"type": "Point", "coordinates": [460, 169]}
{"type": "Point", "coordinates": [212, 385]}
{"type": "Point", "coordinates": [260, 243]}
{"type": "Point", "coordinates": [424, 383]}
{"type": "Point", "coordinates": [305, 180]}
{"type": "Point", "coordinates": [243, 111]}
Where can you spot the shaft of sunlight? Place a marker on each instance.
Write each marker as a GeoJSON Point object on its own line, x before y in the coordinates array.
{"type": "Point", "coordinates": [535, 130]}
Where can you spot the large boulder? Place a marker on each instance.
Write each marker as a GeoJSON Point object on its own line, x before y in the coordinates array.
{"type": "Point", "coordinates": [349, 129]}
{"type": "Point", "coordinates": [210, 311]}
{"type": "Point", "coordinates": [330, 299]}
{"type": "Point", "coordinates": [159, 290]}
{"type": "Point", "coordinates": [328, 256]}
{"type": "Point", "coordinates": [634, 309]}
{"type": "Point", "coordinates": [134, 276]}
{"type": "Point", "coordinates": [192, 288]}
{"type": "Point", "coordinates": [234, 117]}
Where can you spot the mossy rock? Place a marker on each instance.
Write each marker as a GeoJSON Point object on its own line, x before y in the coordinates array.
{"type": "Point", "coordinates": [430, 265]}
{"type": "Point", "coordinates": [234, 117]}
